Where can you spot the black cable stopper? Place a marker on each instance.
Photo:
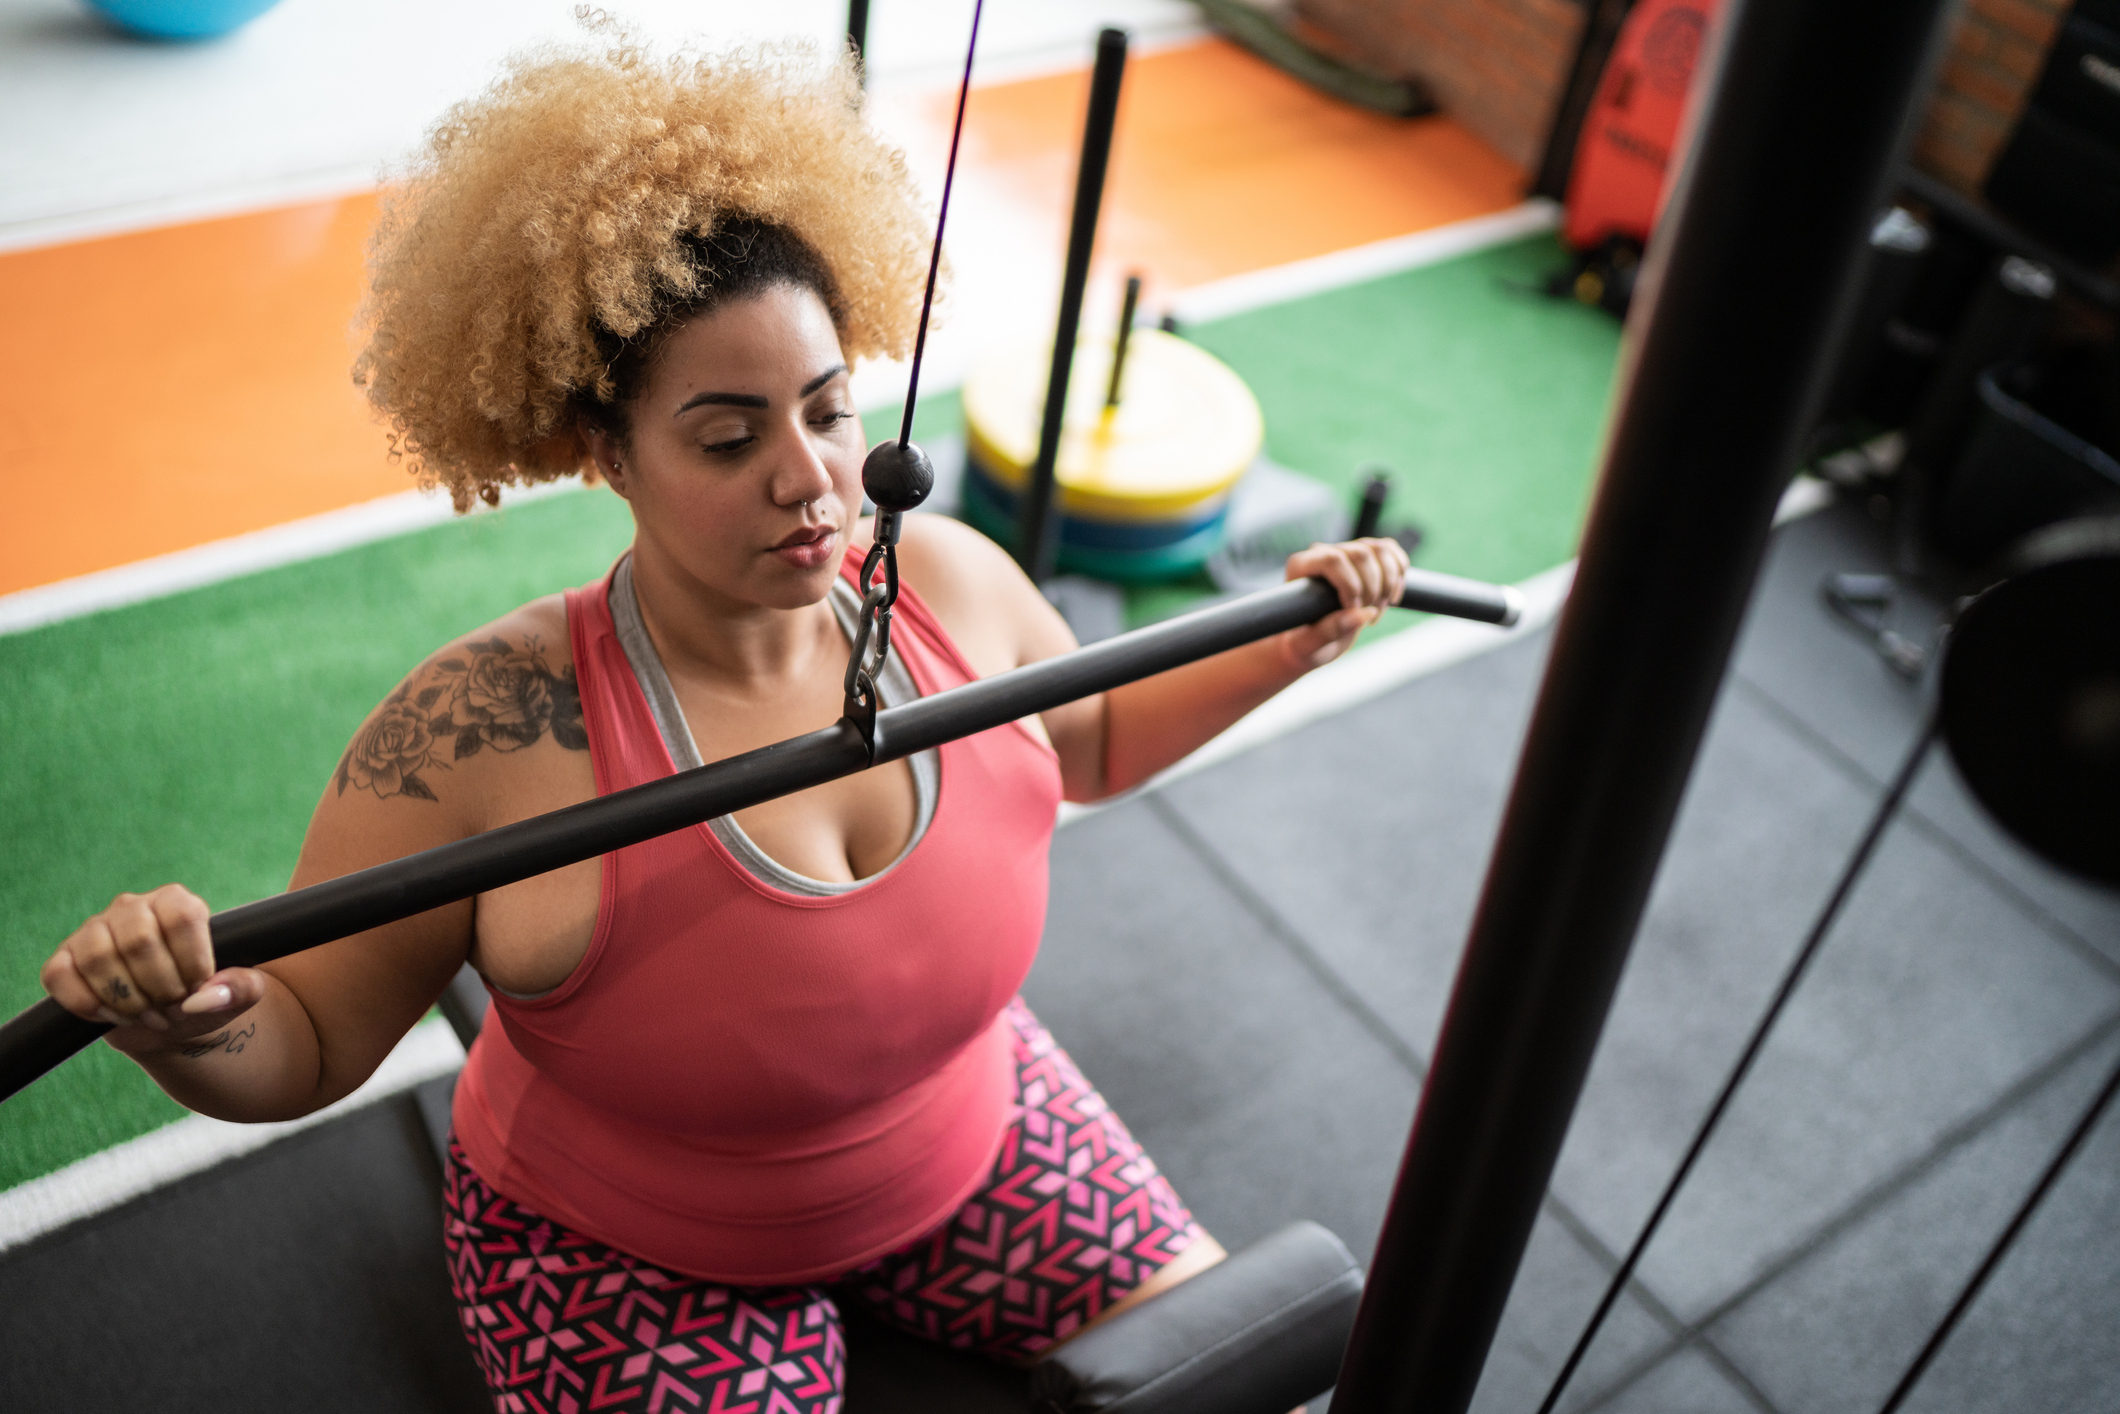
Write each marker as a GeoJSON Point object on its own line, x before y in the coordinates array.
{"type": "Point", "coordinates": [897, 476]}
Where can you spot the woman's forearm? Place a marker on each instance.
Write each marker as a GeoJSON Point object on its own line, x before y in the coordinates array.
{"type": "Point", "coordinates": [262, 1065]}
{"type": "Point", "coordinates": [1153, 723]}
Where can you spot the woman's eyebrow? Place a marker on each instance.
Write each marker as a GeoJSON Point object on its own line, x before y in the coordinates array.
{"type": "Point", "coordinates": [753, 400]}
{"type": "Point", "coordinates": [823, 378]}
{"type": "Point", "coordinates": [734, 400]}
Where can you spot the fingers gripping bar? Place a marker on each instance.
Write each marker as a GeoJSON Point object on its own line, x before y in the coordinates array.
{"type": "Point", "coordinates": [46, 1034]}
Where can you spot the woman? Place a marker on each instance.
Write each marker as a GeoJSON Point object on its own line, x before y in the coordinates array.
{"type": "Point", "coordinates": [745, 1072]}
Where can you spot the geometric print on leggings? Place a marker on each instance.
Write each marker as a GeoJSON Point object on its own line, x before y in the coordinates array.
{"type": "Point", "coordinates": [1073, 1217]}
{"type": "Point", "coordinates": [562, 1324]}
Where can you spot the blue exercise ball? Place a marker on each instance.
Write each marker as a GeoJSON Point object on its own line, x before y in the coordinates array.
{"type": "Point", "coordinates": [181, 19]}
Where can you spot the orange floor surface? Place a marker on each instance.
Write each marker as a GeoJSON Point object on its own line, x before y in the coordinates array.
{"type": "Point", "coordinates": [170, 387]}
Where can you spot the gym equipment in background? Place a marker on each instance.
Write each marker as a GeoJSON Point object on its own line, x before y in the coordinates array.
{"type": "Point", "coordinates": [1623, 156]}
{"type": "Point", "coordinates": [1273, 32]}
{"type": "Point", "coordinates": [1141, 489]}
{"type": "Point", "coordinates": [2060, 173]}
{"type": "Point", "coordinates": [2044, 446]}
{"type": "Point", "coordinates": [181, 19]}
{"type": "Point", "coordinates": [2029, 696]}
{"type": "Point", "coordinates": [1799, 133]}
{"type": "Point", "coordinates": [1037, 537]}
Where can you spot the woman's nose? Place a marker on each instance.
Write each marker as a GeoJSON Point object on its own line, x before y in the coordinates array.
{"type": "Point", "coordinates": [800, 474]}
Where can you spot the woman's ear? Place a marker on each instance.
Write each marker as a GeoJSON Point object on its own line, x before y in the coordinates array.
{"type": "Point", "coordinates": [606, 457]}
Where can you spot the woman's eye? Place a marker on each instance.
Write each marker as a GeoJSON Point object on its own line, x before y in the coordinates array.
{"type": "Point", "coordinates": [828, 418]}
{"type": "Point", "coordinates": [734, 445]}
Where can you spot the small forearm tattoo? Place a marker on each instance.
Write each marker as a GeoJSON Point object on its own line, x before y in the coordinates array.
{"type": "Point", "coordinates": [227, 1041]}
{"type": "Point", "coordinates": [496, 695]}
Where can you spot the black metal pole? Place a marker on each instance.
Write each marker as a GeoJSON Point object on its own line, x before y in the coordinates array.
{"type": "Point", "coordinates": [1750, 274]}
{"type": "Point", "coordinates": [1037, 528]}
{"type": "Point", "coordinates": [1127, 309]}
{"type": "Point", "coordinates": [858, 33]}
{"type": "Point", "coordinates": [1593, 48]}
{"type": "Point", "coordinates": [44, 1035]}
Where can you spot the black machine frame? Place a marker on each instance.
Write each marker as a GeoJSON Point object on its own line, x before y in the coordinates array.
{"type": "Point", "coordinates": [1802, 121]}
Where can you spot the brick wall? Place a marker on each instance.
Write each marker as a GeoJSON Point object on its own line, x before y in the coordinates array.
{"type": "Point", "coordinates": [1497, 66]}
{"type": "Point", "coordinates": [1993, 62]}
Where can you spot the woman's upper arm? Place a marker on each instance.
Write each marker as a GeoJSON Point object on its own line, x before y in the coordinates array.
{"type": "Point", "coordinates": [1000, 620]}
{"type": "Point", "coordinates": [405, 783]}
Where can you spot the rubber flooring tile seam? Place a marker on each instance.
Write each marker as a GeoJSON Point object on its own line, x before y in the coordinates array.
{"type": "Point", "coordinates": [1879, 1197]}
{"type": "Point", "coordinates": [1290, 936]}
{"type": "Point", "coordinates": [2034, 912]}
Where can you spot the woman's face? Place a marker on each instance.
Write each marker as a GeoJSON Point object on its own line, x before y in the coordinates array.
{"type": "Point", "coordinates": [743, 464]}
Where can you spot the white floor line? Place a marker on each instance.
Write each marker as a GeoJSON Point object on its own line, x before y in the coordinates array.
{"type": "Point", "coordinates": [1366, 673]}
{"type": "Point", "coordinates": [201, 565]}
{"type": "Point", "coordinates": [1426, 648]}
{"type": "Point", "coordinates": [1278, 284]}
{"type": "Point", "coordinates": [236, 198]}
{"type": "Point", "coordinates": [195, 1143]}
{"type": "Point", "coordinates": [876, 386]}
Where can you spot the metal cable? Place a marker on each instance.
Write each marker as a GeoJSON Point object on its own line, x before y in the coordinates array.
{"type": "Point", "coordinates": [942, 214]}
{"type": "Point", "coordinates": [2002, 1245]}
{"type": "Point", "coordinates": [1886, 809]}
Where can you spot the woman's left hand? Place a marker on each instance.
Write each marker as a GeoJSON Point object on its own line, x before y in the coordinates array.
{"type": "Point", "coordinates": [1368, 575]}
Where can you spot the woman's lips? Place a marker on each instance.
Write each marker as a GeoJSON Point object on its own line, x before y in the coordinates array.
{"type": "Point", "coordinates": [808, 548]}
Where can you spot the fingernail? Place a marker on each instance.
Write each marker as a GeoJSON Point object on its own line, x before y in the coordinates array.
{"type": "Point", "coordinates": [208, 999]}
{"type": "Point", "coordinates": [108, 1017]}
{"type": "Point", "coordinates": [154, 1020]}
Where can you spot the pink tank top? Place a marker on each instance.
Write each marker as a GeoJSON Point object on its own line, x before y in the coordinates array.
{"type": "Point", "coordinates": [765, 1088]}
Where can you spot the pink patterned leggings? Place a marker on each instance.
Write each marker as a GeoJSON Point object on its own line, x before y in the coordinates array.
{"type": "Point", "coordinates": [1073, 1217]}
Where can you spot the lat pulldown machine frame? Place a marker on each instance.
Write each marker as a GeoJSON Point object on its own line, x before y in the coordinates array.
{"type": "Point", "coordinates": [1798, 130]}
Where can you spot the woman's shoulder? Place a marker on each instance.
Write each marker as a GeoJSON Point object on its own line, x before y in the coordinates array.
{"type": "Point", "coordinates": [980, 595]}
{"type": "Point", "coordinates": [505, 687]}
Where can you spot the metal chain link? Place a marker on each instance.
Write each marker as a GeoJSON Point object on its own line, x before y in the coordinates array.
{"type": "Point", "coordinates": [872, 634]}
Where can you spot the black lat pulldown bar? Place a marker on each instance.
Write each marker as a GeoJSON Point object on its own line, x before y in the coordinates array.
{"type": "Point", "coordinates": [46, 1034]}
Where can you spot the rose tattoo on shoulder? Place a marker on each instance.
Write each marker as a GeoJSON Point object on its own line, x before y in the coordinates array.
{"type": "Point", "coordinates": [496, 695]}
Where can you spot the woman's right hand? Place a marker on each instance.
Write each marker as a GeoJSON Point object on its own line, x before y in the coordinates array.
{"type": "Point", "coordinates": [145, 966]}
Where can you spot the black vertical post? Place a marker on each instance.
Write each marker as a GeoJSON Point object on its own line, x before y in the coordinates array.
{"type": "Point", "coordinates": [858, 33]}
{"type": "Point", "coordinates": [1593, 47]}
{"type": "Point", "coordinates": [1037, 528]}
{"type": "Point", "coordinates": [1749, 276]}
{"type": "Point", "coordinates": [2013, 305]}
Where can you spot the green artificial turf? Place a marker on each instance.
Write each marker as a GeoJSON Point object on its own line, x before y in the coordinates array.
{"type": "Point", "coordinates": [188, 738]}
{"type": "Point", "coordinates": [1488, 404]}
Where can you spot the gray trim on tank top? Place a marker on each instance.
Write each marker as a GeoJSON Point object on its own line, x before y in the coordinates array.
{"type": "Point", "coordinates": [895, 688]}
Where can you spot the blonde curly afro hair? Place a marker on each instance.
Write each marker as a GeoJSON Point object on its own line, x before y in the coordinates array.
{"type": "Point", "coordinates": [557, 226]}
